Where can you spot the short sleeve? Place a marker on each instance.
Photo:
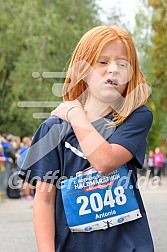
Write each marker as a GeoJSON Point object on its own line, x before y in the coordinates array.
{"type": "Point", "coordinates": [132, 134]}
{"type": "Point", "coordinates": [43, 160]}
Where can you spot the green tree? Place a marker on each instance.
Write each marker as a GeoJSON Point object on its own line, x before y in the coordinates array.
{"type": "Point", "coordinates": [145, 37]}
{"type": "Point", "coordinates": [159, 68]}
{"type": "Point", "coordinates": [36, 36]}
{"type": "Point", "coordinates": [159, 40]}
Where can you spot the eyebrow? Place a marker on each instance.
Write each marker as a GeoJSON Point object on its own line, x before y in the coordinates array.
{"type": "Point", "coordinates": [117, 57]}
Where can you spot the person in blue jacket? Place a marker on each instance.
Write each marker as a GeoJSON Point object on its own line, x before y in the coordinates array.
{"type": "Point", "coordinates": [84, 158]}
{"type": "Point", "coordinates": [26, 141]}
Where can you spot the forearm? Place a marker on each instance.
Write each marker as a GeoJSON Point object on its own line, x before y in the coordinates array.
{"type": "Point", "coordinates": [44, 224]}
{"type": "Point", "coordinates": [102, 155]}
{"type": "Point", "coordinates": [44, 216]}
{"type": "Point", "coordinates": [97, 150]}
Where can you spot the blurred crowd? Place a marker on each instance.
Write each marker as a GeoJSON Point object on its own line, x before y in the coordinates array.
{"type": "Point", "coordinates": [155, 163]}
{"type": "Point", "coordinates": [13, 150]}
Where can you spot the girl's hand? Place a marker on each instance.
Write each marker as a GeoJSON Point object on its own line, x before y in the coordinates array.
{"type": "Point", "coordinates": [66, 109]}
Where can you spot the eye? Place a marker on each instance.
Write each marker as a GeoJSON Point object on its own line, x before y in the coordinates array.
{"type": "Point", "coordinates": [122, 64]}
{"type": "Point", "coordinates": [102, 62]}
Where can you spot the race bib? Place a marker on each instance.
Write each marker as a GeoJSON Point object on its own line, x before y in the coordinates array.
{"type": "Point", "coordinates": [93, 201]}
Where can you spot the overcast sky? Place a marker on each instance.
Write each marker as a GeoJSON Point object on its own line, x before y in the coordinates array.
{"type": "Point", "coordinates": [127, 7]}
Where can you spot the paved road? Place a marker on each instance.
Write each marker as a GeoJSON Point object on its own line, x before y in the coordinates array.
{"type": "Point", "coordinates": [16, 224]}
{"type": "Point", "coordinates": [155, 201]}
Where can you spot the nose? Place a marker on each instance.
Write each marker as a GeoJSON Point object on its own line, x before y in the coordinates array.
{"type": "Point", "coordinates": [112, 68]}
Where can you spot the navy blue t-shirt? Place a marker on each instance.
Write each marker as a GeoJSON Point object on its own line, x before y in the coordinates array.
{"type": "Point", "coordinates": [56, 155]}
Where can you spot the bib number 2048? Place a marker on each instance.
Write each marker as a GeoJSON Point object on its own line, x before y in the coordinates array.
{"type": "Point", "coordinates": [97, 202]}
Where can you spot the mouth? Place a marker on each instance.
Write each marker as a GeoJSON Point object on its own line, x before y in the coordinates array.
{"type": "Point", "coordinates": [112, 82]}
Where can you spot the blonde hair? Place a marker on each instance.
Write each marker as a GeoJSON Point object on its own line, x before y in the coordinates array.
{"type": "Point", "coordinates": [26, 141]}
{"type": "Point", "coordinates": [87, 53]}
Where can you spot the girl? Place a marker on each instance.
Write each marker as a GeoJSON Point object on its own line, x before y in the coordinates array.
{"type": "Point", "coordinates": [83, 159]}
{"type": "Point", "coordinates": [151, 163]}
{"type": "Point", "coordinates": [158, 162]}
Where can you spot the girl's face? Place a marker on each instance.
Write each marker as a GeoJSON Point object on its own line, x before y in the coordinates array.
{"type": "Point", "coordinates": [157, 150]}
{"type": "Point", "coordinates": [151, 153]}
{"type": "Point", "coordinates": [110, 74]}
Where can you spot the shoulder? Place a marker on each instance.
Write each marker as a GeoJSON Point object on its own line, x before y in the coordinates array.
{"type": "Point", "coordinates": [54, 124]}
{"type": "Point", "coordinates": [144, 110]}
{"type": "Point", "coordinates": [52, 129]}
{"type": "Point", "coordinates": [24, 148]}
{"type": "Point", "coordinates": [52, 120]}
{"type": "Point", "coordinates": [136, 126]}
{"type": "Point", "coordinates": [142, 115]}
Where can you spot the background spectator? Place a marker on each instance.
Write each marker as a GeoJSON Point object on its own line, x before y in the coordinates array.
{"type": "Point", "coordinates": [150, 161]}
{"type": "Point", "coordinates": [158, 161]}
